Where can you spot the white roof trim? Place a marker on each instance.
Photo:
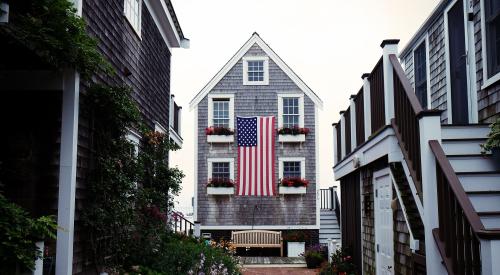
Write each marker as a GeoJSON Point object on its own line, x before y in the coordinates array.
{"type": "Point", "coordinates": [255, 39]}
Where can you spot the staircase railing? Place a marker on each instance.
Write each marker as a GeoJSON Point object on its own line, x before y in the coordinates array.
{"type": "Point", "coordinates": [329, 200]}
{"type": "Point", "coordinates": [460, 228]}
{"type": "Point", "coordinates": [181, 224]}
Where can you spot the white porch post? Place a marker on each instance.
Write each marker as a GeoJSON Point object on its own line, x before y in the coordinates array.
{"type": "Point", "coordinates": [335, 149]}
{"type": "Point", "coordinates": [490, 253]}
{"type": "Point", "coordinates": [366, 105]}
{"type": "Point", "coordinates": [342, 135]}
{"type": "Point", "coordinates": [430, 129]}
{"type": "Point", "coordinates": [389, 47]}
{"type": "Point", "coordinates": [353, 122]}
{"type": "Point", "coordinates": [179, 121]}
{"type": "Point", "coordinates": [67, 172]}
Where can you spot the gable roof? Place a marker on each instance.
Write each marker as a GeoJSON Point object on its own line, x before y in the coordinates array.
{"type": "Point", "coordinates": [255, 39]}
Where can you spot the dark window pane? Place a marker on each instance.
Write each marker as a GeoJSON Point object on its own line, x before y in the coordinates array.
{"type": "Point", "coordinates": [220, 170]}
{"type": "Point", "coordinates": [291, 169]}
{"type": "Point", "coordinates": [420, 65]}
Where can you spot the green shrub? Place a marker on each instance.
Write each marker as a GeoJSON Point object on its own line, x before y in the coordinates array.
{"type": "Point", "coordinates": [493, 137]}
{"type": "Point", "coordinates": [18, 235]}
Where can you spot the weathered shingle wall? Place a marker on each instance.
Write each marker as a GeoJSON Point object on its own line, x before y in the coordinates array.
{"type": "Point", "coordinates": [437, 66]}
{"type": "Point", "coordinates": [257, 101]}
{"type": "Point", "coordinates": [488, 99]}
{"type": "Point", "coordinates": [368, 223]}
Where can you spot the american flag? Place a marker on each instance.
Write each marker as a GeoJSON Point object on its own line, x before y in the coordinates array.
{"type": "Point", "coordinates": [256, 154]}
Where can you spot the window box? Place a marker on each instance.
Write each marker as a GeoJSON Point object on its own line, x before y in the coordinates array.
{"type": "Point", "coordinates": [291, 138]}
{"type": "Point", "coordinates": [220, 190]}
{"type": "Point", "coordinates": [292, 190]}
{"type": "Point", "coordinates": [220, 139]}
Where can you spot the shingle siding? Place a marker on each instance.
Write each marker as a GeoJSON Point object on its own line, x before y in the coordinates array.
{"type": "Point", "coordinates": [488, 98]}
{"type": "Point", "coordinates": [256, 101]}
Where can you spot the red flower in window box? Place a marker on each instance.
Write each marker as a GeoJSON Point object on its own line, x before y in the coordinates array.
{"type": "Point", "coordinates": [293, 131]}
{"type": "Point", "coordinates": [294, 182]}
{"type": "Point", "coordinates": [220, 131]}
{"type": "Point", "coordinates": [220, 182]}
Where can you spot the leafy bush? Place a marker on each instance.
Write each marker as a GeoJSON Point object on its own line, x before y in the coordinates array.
{"type": "Point", "coordinates": [18, 235]}
{"type": "Point", "coordinates": [180, 254]}
{"type": "Point", "coordinates": [342, 264]}
{"type": "Point", "coordinates": [493, 137]}
{"type": "Point", "coordinates": [52, 30]}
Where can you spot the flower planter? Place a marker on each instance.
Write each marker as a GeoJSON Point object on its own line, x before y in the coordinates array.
{"type": "Point", "coordinates": [220, 190]}
{"type": "Point", "coordinates": [295, 249]}
{"type": "Point", "coordinates": [292, 190]}
{"type": "Point", "coordinates": [220, 138]}
{"type": "Point", "coordinates": [291, 138]}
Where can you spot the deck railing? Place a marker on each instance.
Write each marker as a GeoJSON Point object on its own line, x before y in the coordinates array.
{"type": "Point", "coordinates": [327, 198]}
{"type": "Point", "coordinates": [406, 122]}
{"type": "Point", "coordinates": [338, 129]}
{"type": "Point", "coordinates": [181, 224]}
{"type": "Point", "coordinates": [360, 117]}
{"type": "Point", "coordinates": [377, 101]}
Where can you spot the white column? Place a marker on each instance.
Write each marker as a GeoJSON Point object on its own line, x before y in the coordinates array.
{"type": "Point", "coordinates": [171, 111]}
{"type": "Point", "coordinates": [490, 253]}
{"type": "Point", "coordinates": [342, 135]}
{"type": "Point", "coordinates": [389, 47]}
{"type": "Point", "coordinates": [179, 122]}
{"type": "Point", "coordinates": [335, 149]}
{"type": "Point", "coordinates": [67, 172]}
{"type": "Point", "coordinates": [430, 129]}
{"type": "Point", "coordinates": [367, 106]}
{"type": "Point", "coordinates": [352, 109]}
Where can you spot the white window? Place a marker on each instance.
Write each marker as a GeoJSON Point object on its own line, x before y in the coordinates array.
{"type": "Point", "coordinates": [134, 138]}
{"type": "Point", "coordinates": [221, 168]}
{"type": "Point", "coordinates": [255, 70]}
{"type": "Point", "coordinates": [221, 110]}
{"type": "Point", "coordinates": [290, 110]}
{"type": "Point", "coordinates": [132, 10]}
{"type": "Point", "coordinates": [292, 167]}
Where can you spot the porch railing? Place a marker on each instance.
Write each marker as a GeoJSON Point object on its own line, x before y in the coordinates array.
{"type": "Point", "coordinates": [329, 200]}
{"type": "Point", "coordinates": [460, 228]}
{"type": "Point", "coordinates": [360, 117]}
{"type": "Point", "coordinates": [347, 134]}
{"type": "Point", "coordinates": [377, 101]}
{"type": "Point", "coordinates": [181, 224]}
{"type": "Point", "coordinates": [406, 122]}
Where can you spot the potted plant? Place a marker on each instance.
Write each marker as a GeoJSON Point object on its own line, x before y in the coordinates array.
{"type": "Point", "coordinates": [219, 134]}
{"type": "Point", "coordinates": [293, 185]}
{"type": "Point", "coordinates": [493, 142]}
{"type": "Point", "coordinates": [342, 264]}
{"type": "Point", "coordinates": [314, 256]}
{"type": "Point", "coordinates": [220, 186]}
{"type": "Point", "coordinates": [292, 134]}
{"type": "Point", "coordinates": [295, 243]}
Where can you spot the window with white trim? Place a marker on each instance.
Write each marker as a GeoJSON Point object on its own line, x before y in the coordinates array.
{"type": "Point", "coordinates": [420, 68]}
{"type": "Point", "coordinates": [290, 110]}
{"type": "Point", "coordinates": [255, 70]}
{"type": "Point", "coordinates": [221, 110]}
{"type": "Point", "coordinates": [220, 170]}
{"type": "Point", "coordinates": [291, 113]}
{"type": "Point", "coordinates": [291, 167]}
{"type": "Point", "coordinates": [132, 10]}
{"type": "Point", "coordinates": [492, 24]}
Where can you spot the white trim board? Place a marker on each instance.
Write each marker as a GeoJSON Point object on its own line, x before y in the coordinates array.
{"type": "Point", "coordinates": [255, 39]}
{"type": "Point", "coordinates": [246, 227]}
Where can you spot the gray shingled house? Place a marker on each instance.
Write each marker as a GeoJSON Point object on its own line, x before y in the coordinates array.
{"type": "Point", "coordinates": [256, 82]}
{"type": "Point", "coordinates": [419, 195]}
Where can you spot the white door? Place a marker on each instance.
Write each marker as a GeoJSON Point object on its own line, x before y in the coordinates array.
{"type": "Point", "coordinates": [384, 246]}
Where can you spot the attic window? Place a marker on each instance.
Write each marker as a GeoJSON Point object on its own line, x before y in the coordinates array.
{"type": "Point", "coordinates": [255, 70]}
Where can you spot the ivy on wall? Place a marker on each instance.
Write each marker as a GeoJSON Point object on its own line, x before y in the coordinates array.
{"type": "Point", "coordinates": [52, 30]}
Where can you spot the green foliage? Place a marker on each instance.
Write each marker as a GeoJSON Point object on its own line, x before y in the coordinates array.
{"type": "Point", "coordinates": [493, 137]}
{"type": "Point", "coordinates": [52, 30]}
{"type": "Point", "coordinates": [184, 255]}
{"type": "Point", "coordinates": [342, 263]}
{"type": "Point", "coordinates": [18, 235]}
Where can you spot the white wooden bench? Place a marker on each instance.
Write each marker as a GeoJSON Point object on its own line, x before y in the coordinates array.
{"type": "Point", "coordinates": [257, 238]}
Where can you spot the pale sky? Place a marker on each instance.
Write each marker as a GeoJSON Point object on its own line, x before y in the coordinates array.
{"type": "Point", "coordinates": [328, 43]}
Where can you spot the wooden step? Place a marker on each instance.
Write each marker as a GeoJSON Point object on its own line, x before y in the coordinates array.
{"type": "Point", "coordinates": [480, 181]}
{"type": "Point", "coordinates": [485, 202]}
{"type": "Point", "coordinates": [490, 219]}
{"type": "Point", "coordinates": [473, 163]}
{"type": "Point", "coordinates": [472, 131]}
{"type": "Point", "coordinates": [462, 146]}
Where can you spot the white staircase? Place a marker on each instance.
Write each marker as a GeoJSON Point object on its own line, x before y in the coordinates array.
{"type": "Point", "coordinates": [479, 174]}
{"type": "Point", "coordinates": [329, 226]}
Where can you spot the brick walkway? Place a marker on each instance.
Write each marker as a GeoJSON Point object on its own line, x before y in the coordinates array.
{"type": "Point", "coordinates": [279, 271]}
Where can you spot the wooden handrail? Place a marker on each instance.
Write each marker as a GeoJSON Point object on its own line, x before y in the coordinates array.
{"type": "Point", "coordinates": [417, 108]}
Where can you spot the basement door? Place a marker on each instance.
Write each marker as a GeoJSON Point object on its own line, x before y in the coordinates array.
{"type": "Point", "coordinates": [383, 222]}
